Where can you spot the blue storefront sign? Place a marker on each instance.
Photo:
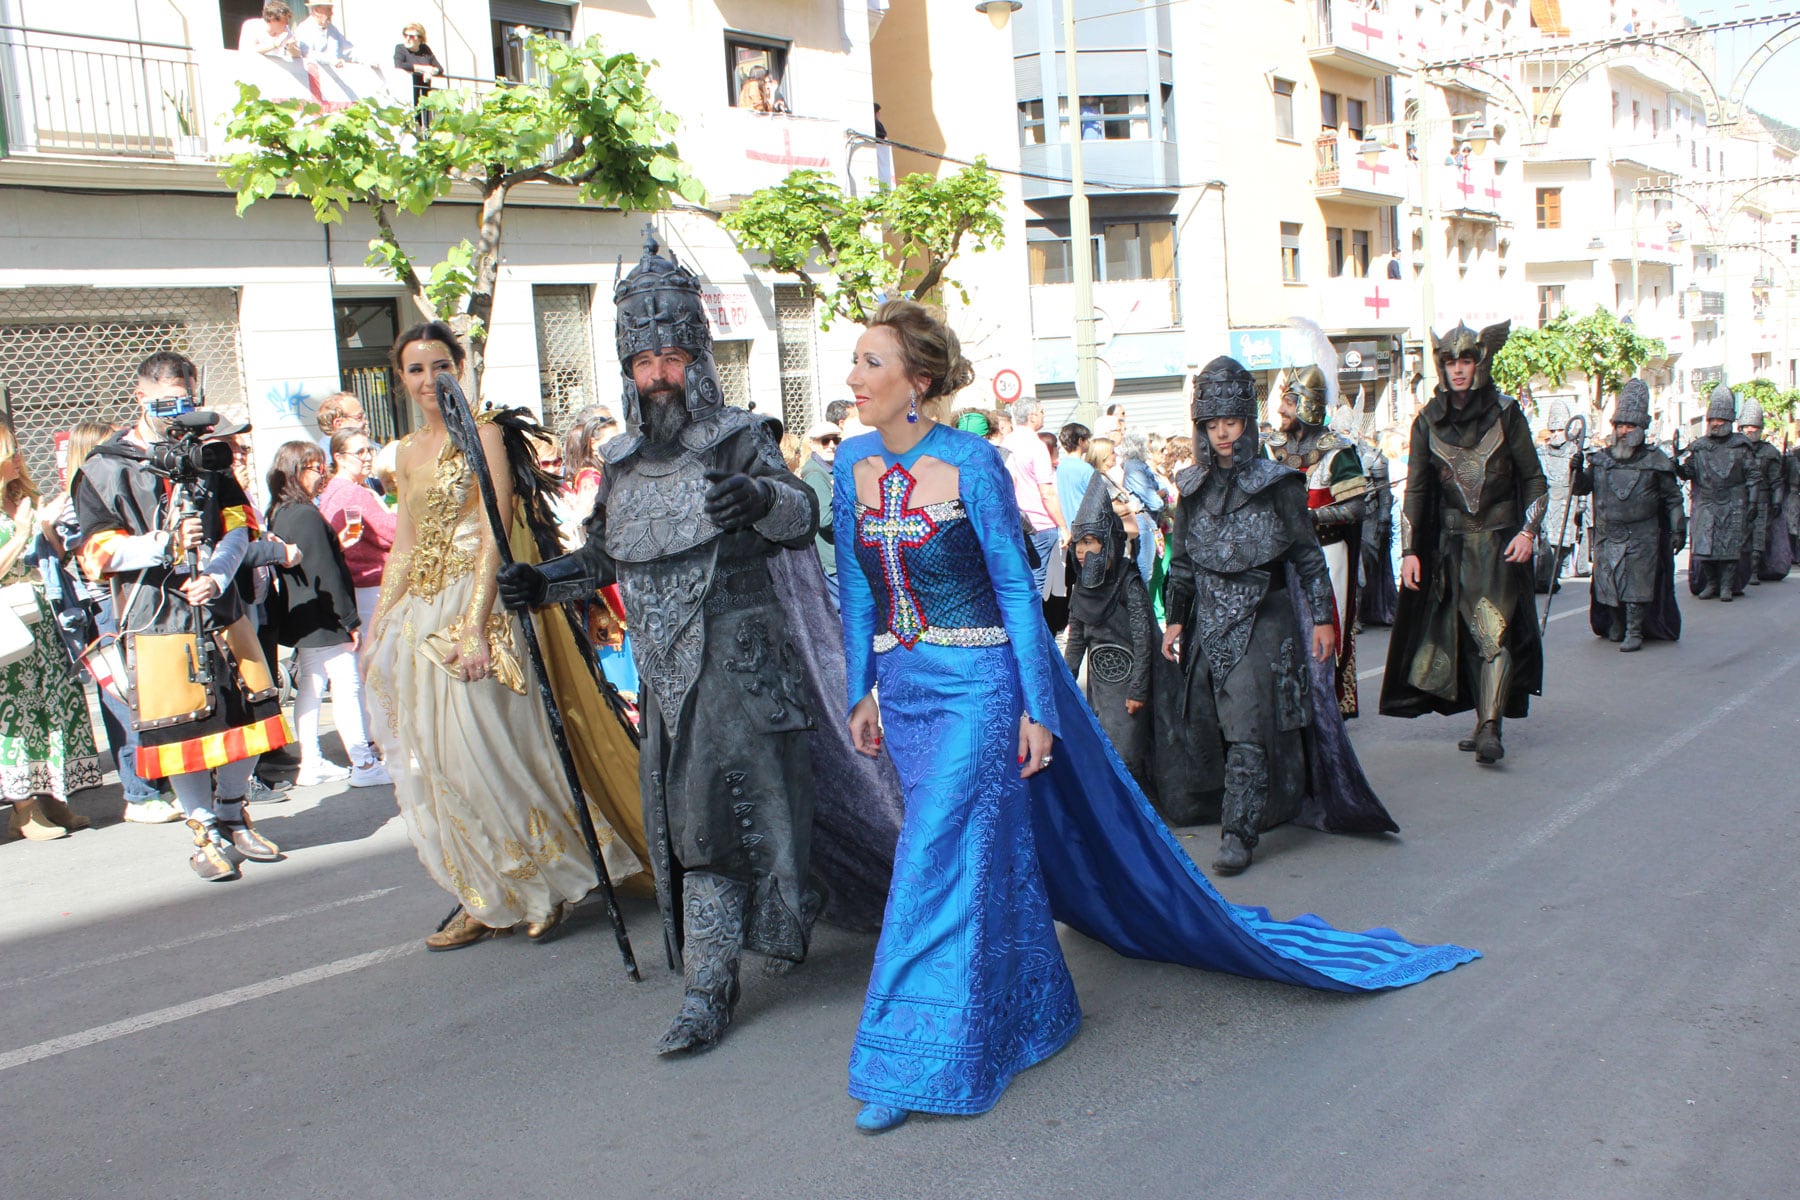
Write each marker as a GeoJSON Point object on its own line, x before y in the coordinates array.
{"type": "Point", "coordinates": [1270, 349]}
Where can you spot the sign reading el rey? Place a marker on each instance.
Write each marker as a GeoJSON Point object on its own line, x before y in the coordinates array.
{"type": "Point", "coordinates": [729, 309]}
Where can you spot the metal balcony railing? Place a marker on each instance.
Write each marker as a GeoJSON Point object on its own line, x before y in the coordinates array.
{"type": "Point", "coordinates": [71, 93]}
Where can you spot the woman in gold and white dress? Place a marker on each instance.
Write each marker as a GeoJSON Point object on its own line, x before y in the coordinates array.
{"type": "Point", "coordinates": [475, 771]}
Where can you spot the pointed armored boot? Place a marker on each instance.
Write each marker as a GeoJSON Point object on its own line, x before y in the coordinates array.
{"type": "Point", "coordinates": [1245, 801]}
{"type": "Point", "coordinates": [211, 860]}
{"type": "Point", "coordinates": [713, 925]}
{"type": "Point", "coordinates": [1634, 629]}
{"type": "Point", "coordinates": [1490, 699]}
{"type": "Point", "coordinates": [1756, 569]}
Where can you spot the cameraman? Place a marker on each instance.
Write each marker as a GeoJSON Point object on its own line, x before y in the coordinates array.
{"type": "Point", "coordinates": [129, 500]}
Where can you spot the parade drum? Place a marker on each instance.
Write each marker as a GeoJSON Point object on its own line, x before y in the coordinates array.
{"type": "Point", "coordinates": [166, 667]}
{"type": "Point", "coordinates": [242, 648]}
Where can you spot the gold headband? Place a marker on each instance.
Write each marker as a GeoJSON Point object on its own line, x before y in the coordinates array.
{"type": "Point", "coordinates": [438, 347]}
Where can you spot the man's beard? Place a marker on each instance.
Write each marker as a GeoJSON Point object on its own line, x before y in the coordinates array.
{"type": "Point", "coordinates": [665, 413]}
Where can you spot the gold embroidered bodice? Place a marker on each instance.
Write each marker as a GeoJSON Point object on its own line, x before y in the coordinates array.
{"type": "Point", "coordinates": [447, 526]}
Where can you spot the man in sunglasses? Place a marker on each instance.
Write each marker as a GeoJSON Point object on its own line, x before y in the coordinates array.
{"type": "Point", "coordinates": [822, 441]}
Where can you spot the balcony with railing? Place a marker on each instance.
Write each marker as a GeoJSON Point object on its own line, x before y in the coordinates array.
{"type": "Point", "coordinates": [1366, 304]}
{"type": "Point", "coordinates": [1356, 36]}
{"type": "Point", "coordinates": [1468, 188]}
{"type": "Point", "coordinates": [73, 95]}
{"type": "Point", "coordinates": [1344, 173]}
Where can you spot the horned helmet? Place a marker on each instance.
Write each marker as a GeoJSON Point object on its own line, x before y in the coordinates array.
{"type": "Point", "coordinates": [1463, 342]}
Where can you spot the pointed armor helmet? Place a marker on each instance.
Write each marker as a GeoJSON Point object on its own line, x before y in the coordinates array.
{"type": "Point", "coordinates": [1633, 404]}
{"type": "Point", "coordinates": [1308, 391]}
{"type": "Point", "coordinates": [1750, 414]}
{"type": "Point", "coordinates": [659, 308]}
{"type": "Point", "coordinates": [1722, 406]}
{"type": "Point", "coordinates": [1098, 520]}
{"type": "Point", "coordinates": [1556, 418]}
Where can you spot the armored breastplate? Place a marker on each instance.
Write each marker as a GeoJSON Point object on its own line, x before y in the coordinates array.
{"type": "Point", "coordinates": [1625, 491]}
{"type": "Point", "coordinates": [655, 509]}
{"type": "Point", "coordinates": [1236, 539]}
{"type": "Point", "coordinates": [1721, 469]}
{"type": "Point", "coordinates": [663, 604]}
{"type": "Point", "coordinates": [1476, 476]}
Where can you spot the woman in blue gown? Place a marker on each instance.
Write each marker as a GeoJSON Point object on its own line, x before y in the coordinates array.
{"type": "Point", "coordinates": [1018, 812]}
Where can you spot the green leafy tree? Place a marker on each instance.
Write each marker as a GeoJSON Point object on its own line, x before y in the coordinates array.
{"type": "Point", "coordinates": [593, 125]}
{"type": "Point", "coordinates": [1609, 351]}
{"type": "Point", "coordinates": [1530, 355]}
{"type": "Point", "coordinates": [848, 252]}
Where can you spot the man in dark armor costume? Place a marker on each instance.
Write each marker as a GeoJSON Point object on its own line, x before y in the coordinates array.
{"type": "Point", "coordinates": [694, 501]}
{"type": "Point", "coordinates": [1791, 527]}
{"type": "Point", "coordinates": [1240, 520]}
{"type": "Point", "coordinates": [1764, 560]}
{"type": "Point", "coordinates": [1466, 635]}
{"type": "Point", "coordinates": [1112, 627]}
{"type": "Point", "coordinates": [1562, 514]}
{"type": "Point", "coordinates": [1722, 467]}
{"type": "Point", "coordinates": [1639, 528]}
{"type": "Point", "coordinates": [1336, 493]}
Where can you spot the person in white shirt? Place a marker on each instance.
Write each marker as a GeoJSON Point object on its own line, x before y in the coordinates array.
{"type": "Point", "coordinates": [320, 40]}
{"type": "Point", "coordinates": [271, 33]}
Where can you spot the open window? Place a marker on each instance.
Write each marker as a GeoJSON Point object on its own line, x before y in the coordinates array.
{"type": "Point", "coordinates": [756, 74]}
{"type": "Point", "coordinates": [514, 22]}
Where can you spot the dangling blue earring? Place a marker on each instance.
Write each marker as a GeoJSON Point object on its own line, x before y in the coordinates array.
{"type": "Point", "coordinates": [912, 407]}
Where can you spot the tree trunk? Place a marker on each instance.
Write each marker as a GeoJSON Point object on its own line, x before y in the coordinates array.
{"type": "Point", "coordinates": [479, 308]}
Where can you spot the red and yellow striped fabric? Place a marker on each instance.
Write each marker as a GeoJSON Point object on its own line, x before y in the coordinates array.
{"type": "Point", "coordinates": [214, 749]}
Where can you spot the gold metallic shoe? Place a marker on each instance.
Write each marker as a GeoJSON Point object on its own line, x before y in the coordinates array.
{"type": "Point", "coordinates": [463, 930]}
{"type": "Point", "coordinates": [550, 928]}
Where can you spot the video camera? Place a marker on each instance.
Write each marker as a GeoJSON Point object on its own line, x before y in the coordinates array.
{"type": "Point", "coordinates": [184, 456]}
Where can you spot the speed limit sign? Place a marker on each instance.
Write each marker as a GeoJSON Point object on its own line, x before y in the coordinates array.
{"type": "Point", "coordinates": [1007, 385]}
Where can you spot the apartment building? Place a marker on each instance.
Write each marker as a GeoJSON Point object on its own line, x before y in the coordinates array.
{"type": "Point", "coordinates": [117, 237]}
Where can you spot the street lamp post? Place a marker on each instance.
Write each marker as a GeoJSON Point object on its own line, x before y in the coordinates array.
{"type": "Point", "coordinates": [1081, 250]}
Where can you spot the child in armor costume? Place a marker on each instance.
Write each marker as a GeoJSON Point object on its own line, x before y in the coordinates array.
{"type": "Point", "coordinates": [1722, 468]}
{"type": "Point", "coordinates": [1639, 528]}
{"type": "Point", "coordinates": [1563, 518]}
{"type": "Point", "coordinates": [134, 537]}
{"type": "Point", "coordinates": [1239, 521]}
{"type": "Point", "coordinates": [1112, 627]}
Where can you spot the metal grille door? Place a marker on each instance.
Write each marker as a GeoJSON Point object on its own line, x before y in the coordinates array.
{"type": "Point", "coordinates": [796, 325]}
{"type": "Point", "coordinates": [733, 361]}
{"type": "Point", "coordinates": [565, 339]}
{"type": "Point", "coordinates": [68, 353]}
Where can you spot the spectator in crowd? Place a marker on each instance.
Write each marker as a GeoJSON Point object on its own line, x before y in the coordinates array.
{"type": "Point", "coordinates": [318, 619]}
{"type": "Point", "coordinates": [365, 528]}
{"type": "Point", "coordinates": [761, 91]}
{"type": "Point", "coordinates": [87, 611]}
{"type": "Point", "coordinates": [1034, 484]}
{"type": "Point", "coordinates": [415, 57]}
{"type": "Point", "coordinates": [1147, 498]}
{"type": "Point", "coordinates": [1111, 424]}
{"type": "Point", "coordinates": [840, 411]}
{"type": "Point", "coordinates": [793, 449]}
{"type": "Point", "coordinates": [47, 748]}
{"type": "Point", "coordinates": [591, 428]}
{"type": "Point", "coordinates": [337, 411]}
{"type": "Point", "coordinates": [1178, 452]}
{"type": "Point", "coordinates": [1101, 456]}
{"type": "Point", "coordinates": [823, 440]}
{"type": "Point", "coordinates": [271, 33]}
{"type": "Point", "coordinates": [321, 41]}
{"type": "Point", "coordinates": [1073, 469]}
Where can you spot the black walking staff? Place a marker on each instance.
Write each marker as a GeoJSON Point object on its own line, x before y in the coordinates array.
{"type": "Point", "coordinates": [1576, 430]}
{"type": "Point", "coordinates": [460, 422]}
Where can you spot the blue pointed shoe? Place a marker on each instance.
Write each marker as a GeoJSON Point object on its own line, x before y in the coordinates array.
{"type": "Point", "coordinates": [879, 1118]}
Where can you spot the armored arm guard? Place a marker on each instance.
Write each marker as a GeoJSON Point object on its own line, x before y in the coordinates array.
{"type": "Point", "coordinates": [793, 516]}
{"type": "Point", "coordinates": [576, 576]}
{"type": "Point", "coordinates": [1178, 591]}
{"type": "Point", "coordinates": [1143, 638]}
{"type": "Point", "coordinates": [1303, 549]}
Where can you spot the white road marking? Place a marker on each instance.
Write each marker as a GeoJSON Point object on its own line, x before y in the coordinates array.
{"type": "Point", "coordinates": [191, 938]}
{"type": "Point", "coordinates": [206, 1004]}
{"type": "Point", "coordinates": [1372, 672]}
{"type": "Point", "coordinates": [1587, 801]}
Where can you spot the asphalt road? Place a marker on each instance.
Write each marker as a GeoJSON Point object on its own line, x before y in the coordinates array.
{"type": "Point", "coordinates": [1629, 873]}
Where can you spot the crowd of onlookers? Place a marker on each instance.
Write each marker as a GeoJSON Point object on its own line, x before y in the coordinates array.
{"type": "Point", "coordinates": [317, 39]}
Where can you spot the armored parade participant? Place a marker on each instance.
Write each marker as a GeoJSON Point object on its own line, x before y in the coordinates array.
{"type": "Point", "coordinates": [1375, 602]}
{"type": "Point", "coordinates": [1466, 634]}
{"type": "Point", "coordinates": [1563, 514]}
{"type": "Point", "coordinates": [1791, 474]}
{"type": "Point", "coordinates": [1241, 521]}
{"type": "Point", "coordinates": [694, 501]}
{"type": "Point", "coordinates": [1722, 468]}
{"type": "Point", "coordinates": [1112, 629]}
{"type": "Point", "coordinates": [1639, 527]}
{"type": "Point", "coordinates": [1768, 557]}
{"type": "Point", "coordinates": [1335, 491]}
{"type": "Point", "coordinates": [166, 527]}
